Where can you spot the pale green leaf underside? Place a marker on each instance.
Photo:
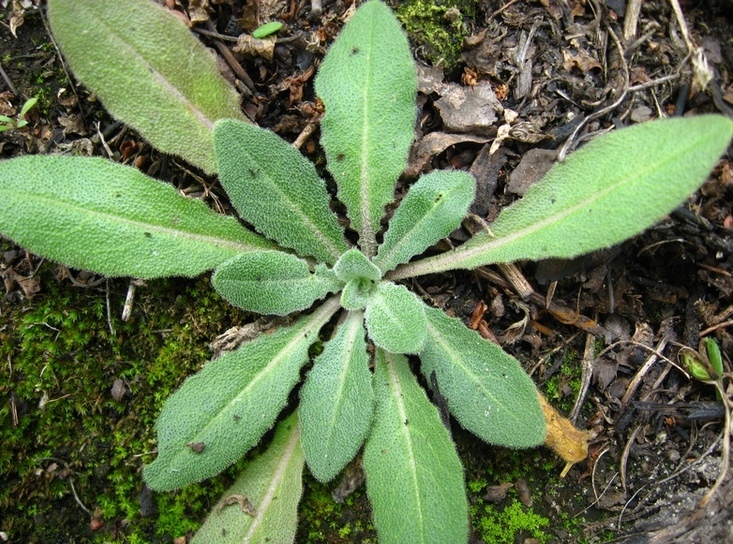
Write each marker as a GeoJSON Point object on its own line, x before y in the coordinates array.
{"type": "Point", "coordinates": [413, 474]}
{"type": "Point", "coordinates": [395, 318]}
{"type": "Point", "coordinates": [225, 408]}
{"type": "Point", "coordinates": [277, 190]}
{"type": "Point", "coordinates": [354, 265]}
{"type": "Point", "coordinates": [97, 215]}
{"type": "Point", "coordinates": [487, 390]}
{"type": "Point", "coordinates": [433, 208]}
{"type": "Point", "coordinates": [368, 84]}
{"type": "Point", "coordinates": [337, 401]}
{"type": "Point", "coordinates": [273, 485]}
{"type": "Point", "coordinates": [273, 282]}
{"type": "Point", "coordinates": [149, 71]}
{"type": "Point", "coordinates": [609, 190]}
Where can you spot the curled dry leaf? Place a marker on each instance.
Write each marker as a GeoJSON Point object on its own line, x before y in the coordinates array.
{"type": "Point", "coordinates": [252, 47]}
{"type": "Point", "coordinates": [562, 437]}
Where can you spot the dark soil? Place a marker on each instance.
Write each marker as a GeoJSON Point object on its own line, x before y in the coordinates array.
{"type": "Point", "coordinates": [617, 319]}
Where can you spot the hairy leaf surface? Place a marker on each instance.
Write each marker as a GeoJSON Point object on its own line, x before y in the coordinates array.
{"type": "Point", "coordinates": [395, 318]}
{"type": "Point", "coordinates": [486, 388]}
{"type": "Point", "coordinates": [433, 208]}
{"type": "Point", "coordinates": [273, 282]}
{"type": "Point", "coordinates": [337, 401]}
{"type": "Point", "coordinates": [149, 71]}
{"type": "Point", "coordinates": [277, 190]}
{"type": "Point", "coordinates": [223, 410]}
{"type": "Point", "coordinates": [609, 190]}
{"type": "Point", "coordinates": [97, 215]}
{"type": "Point", "coordinates": [354, 265]}
{"type": "Point", "coordinates": [271, 485]}
{"type": "Point", "coordinates": [413, 474]}
{"type": "Point", "coordinates": [368, 84]}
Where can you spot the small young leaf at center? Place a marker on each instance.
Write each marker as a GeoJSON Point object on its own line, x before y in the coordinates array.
{"type": "Point", "coordinates": [395, 318]}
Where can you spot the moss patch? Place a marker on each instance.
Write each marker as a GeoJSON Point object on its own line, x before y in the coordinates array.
{"type": "Point", "coordinates": [437, 28]}
{"type": "Point", "coordinates": [63, 432]}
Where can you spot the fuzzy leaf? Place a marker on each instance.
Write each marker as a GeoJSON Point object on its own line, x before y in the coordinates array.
{"type": "Point", "coordinates": [413, 474]}
{"type": "Point", "coordinates": [486, 388]}
{"type": "Point", "coordinates": [273, 282]}
{"type": "Point", "coordinates": [97, 215]}
{"type": "Point", "coordinates": [368, 84]}
{"type": "Point", "coordinates": [272, 485]}
{"type": "Point", "coordinates": [337, 401]}
{"type": "Point", "coordinates": [609, 190]}
{"type": "Point", "coordinates": [432, 209]}
{"type": "Point", "coordinates": [356, 293]}
{"type": "Point", "coordinates": [395, 318]}
{"type": "Point", "coordinates": [277, 190]}
{"type": "Point", "coordinates": [223, 410]}
{"type": "Point", "coordinates": [149, 71]}
{"type": "Point", "coordinates": [354, 265]}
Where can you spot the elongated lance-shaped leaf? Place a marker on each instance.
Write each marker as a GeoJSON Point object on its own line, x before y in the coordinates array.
{"type": "Point", "coordinates": [611, 189]}
{"type": "Point", "coordinates": [337, 401]}
{"type": "Point", "coordinates": [97, 215]}
{"type": "Point", "coordinates": [271, 486]}
{"type": "Point", "coordinates": [395, 318]}
{"type": "Point", "coordinates": [368, 84]}
{"type": "Point", "coordinates": [273, 282]}
{"type": "Point", "coordinates": [433, 208]}
{"type": "Point", "coordinates": [277, 190]}
{"type": "Point", "coordinates": [487, 390]}
{"type": "Point", "coordinates": [413, 474]}
{"type": "Point", "coordinates": [149, 71]}
{"type": "Point", "coordinates": [223, 410]}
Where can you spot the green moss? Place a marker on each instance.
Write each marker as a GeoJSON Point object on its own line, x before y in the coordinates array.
{"type": "Point", "coordinates": [437, 28]}
{"type": "Point", "coordinates": [60, 361]}
{"type": "Point", "coordinates": [504, 525]}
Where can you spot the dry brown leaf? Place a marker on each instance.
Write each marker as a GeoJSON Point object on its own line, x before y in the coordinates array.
{"type": "Point", "coordinates": [247, 45]}
{"type": "Point", "coordinates": [562, 437]}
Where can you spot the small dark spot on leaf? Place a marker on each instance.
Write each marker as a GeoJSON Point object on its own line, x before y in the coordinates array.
{"type": "Point", "coordinates": [236, 418]}
{"type": "Point", "coordinates": [355, 51]}
{"type": "Point", "coordinates": [252, 172]}
{"type": "Point", "coordinates": [148, 235]}
{"type": "Point", "coordinates": [406, 422]}
{"type": "Point", "coordinates": [340, 157]}
{"type": "Point", "coordinates": [197, 447]}
{"type": "Point", "coordinates": [439, 198]}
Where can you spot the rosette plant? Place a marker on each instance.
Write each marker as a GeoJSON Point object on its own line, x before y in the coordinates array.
{"type": "Point", "coordinates": [295, 257]}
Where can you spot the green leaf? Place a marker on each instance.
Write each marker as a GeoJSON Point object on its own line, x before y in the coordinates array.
{"type": "Point", "coordinates": [395, 318]}
{"type": "Point", "coordinates": [337, 401]}
{"type": "Point", "coordinates": [149, 71]}
{"type": "Point", "coordinates": [368, 84]}
{"type": "Point", "coordinates": [223, 410]}
{"type": "Point", "coordinates": [273, 282]}
{"type": "Point", "coordinates": [609, 190]}
{"type": "Point", "coordinates": [97, 215]}
{"type": "Point", "coordinates": [272, 485]}
{"type": "Point", "coordinates": [277, 190]}
{"type": "Point", "coordinates": [356, 293]}
{"type": "Point", "coordinates": [486, 388]}
{"type": "Point", "coordinates": [432, 209]}
{"type": "Point", "coordinates": [265, 30]}
{"type": "Point", "coordinates": [354, 265]}
{"type": "Point", "coordinates": [413, 474]}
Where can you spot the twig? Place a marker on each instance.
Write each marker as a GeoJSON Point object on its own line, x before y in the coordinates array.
{"type": "Point", "coordinates": [636, 381]}
{"type": "Point", "coordinates": [569, 142]}
{"type": "Point", "coordinates": [229, 57]}
{"type": "Point", "coordinates": [7, 81]}
{"type": "Point", "coordinates": [725, 455]}
{"type": "Point", "coordinates": [631, 19]}
{"type": "Point", "coordinates": [585, 376]}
